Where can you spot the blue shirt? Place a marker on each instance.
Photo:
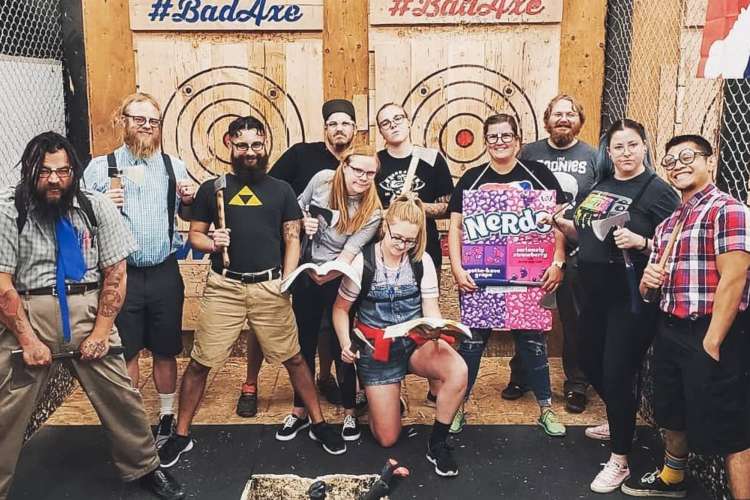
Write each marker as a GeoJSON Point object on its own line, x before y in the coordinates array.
{"type": "Point", "coordinates": [145, 211]}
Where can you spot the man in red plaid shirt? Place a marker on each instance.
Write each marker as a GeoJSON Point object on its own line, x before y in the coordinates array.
{"type": "Point", "coordinates": [702, 346]}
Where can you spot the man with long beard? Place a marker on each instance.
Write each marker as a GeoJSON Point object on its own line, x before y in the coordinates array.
{"type": "Point", "coordinates": [62, 282]}
{"type": "Point", "coordinates": [259, 210]}
{"type": "Point", "coordinates": [574, 164]}
{"type": "Point", "coordinates": [297, 166]}
{"type": "Point", "coordinates": [155, 187]}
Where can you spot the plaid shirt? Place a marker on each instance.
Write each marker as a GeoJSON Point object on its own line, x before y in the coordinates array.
{"type": "Point", "coordinates": [31, 257]}
{"type": "Point", "coordinates": [715, 223]}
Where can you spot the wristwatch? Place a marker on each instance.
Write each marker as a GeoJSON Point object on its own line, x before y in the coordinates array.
{"type": "Point", "coordinates": [561, 264]}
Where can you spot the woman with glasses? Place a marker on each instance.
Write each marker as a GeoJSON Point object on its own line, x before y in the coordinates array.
{"type": "Point", "coordinates": [399, 283]}
{"type": "Point", "coordinates": [616, 326]}
{"type": "Point", "coordinates": [348, 194]}
{"type": "Point", "coordinates": [505, 171]}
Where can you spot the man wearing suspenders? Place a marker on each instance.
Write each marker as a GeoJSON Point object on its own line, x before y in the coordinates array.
{"type": "Point", "coordinates": [150, 188]}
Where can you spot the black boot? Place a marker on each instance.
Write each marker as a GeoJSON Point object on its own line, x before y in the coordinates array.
{"type": "Point", "coordinates": [162, 484]}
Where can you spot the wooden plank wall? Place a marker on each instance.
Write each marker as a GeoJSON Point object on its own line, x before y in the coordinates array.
{"type": "Point", "coordinates": [110, 66]}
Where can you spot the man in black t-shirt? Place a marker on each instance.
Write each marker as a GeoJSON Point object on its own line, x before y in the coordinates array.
{"type": "Point", "coordinates": [431, 180]}
{"type": "Point", "coordinates": [259, 209]}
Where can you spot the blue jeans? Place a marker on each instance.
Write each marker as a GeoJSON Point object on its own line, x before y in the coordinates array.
{"type": "Point", "coordinates": [531, 347]}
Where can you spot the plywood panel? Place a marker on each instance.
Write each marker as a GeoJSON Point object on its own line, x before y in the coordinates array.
{"type": "Point", "coordinates": [226, 15]}
{"type": "Point", "coordinates": [397, 12]}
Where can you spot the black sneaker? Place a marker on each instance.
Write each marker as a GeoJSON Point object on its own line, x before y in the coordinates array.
{"type": "Point", "coordinates": [164, 430]}
{"type": "Point", "coordinates": [175, 446]}
{"type": "Point", "coordinates": [330, 389]}
{"type": "Point", "coordinates": [247, 405]}
{"type": "Point", "coordinates": [651, 485]}
{"type": "Point", "coordinates": [441, 457]}
{"type": "Point", "coordinates": [291, 426]}
{"type": "Point", "coordinates": [327, 436]}
{"type": "Point", "coordinates": [575, 402]}
{"type": "Point", "coordinates": [162, 484]}
{"type": "Point", "coordinates": [513, 391]}
{"type": "Point", "coordinates": [350, 429]}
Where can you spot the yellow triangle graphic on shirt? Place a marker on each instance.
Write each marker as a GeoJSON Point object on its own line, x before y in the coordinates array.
{"type": "Point", "coordinates": [245, 198]}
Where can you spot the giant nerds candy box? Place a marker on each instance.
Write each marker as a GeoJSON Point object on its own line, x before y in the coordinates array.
{"type": "Point", "coordinates": [506, 251]}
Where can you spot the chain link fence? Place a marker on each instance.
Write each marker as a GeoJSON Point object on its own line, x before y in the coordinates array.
{"type": "Point", "coordinates": [31, 76]}
{"type": "Point", "coordinates": [734, 164]}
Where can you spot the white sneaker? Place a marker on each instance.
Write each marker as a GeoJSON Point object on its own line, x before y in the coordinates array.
{"type": "Point", "coordinates": [600, 432]}
{"type": "Point", "coordinates": [610, 477]}
{"type": "Point", "coordinates": [350, 429]}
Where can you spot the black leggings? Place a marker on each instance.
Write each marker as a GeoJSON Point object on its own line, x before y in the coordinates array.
{"type": "Point", "coordinates": [310, 302]}
{"type": "Point", "coordinates": [614, 341]}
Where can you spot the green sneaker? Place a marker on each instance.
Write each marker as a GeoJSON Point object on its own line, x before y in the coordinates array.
{"type": "Point", "coordinates": [459, 420]}
{"type": "Point", "coordinates": [548, 421]}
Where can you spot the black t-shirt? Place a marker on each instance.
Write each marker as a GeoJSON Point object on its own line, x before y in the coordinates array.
{"type": "Point", "coordinates": [255, 214]}
{"type": "Point", "coordinates": [432, 179]}
{"type": "Point", "coordinates": [542, 178]}
{"type": "Point", "coordinates": [301, 162]}
{"type": "Point", "coordinates": [611, 197]}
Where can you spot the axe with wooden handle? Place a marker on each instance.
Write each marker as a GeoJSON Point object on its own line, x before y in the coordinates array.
{"type": "Point", "coordinates": [220, 185]}
{"type": "Point", "coordinates": [20, 376]}
{"type": "Point", "coordinates": [601, 229]}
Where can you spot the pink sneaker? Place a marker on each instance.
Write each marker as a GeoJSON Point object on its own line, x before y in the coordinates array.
{"type": "Point", "coordinates": [600, 432]}
{"type": "Point", "coordinates": [610, 477]}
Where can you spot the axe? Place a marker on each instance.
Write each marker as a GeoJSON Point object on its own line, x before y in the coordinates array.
{"type": "Point", "coordinates": [20, 376]}
{"type": "Point", "coordinates": [601, 229]}
{"type": "Point", "coordinates": [220, 185]}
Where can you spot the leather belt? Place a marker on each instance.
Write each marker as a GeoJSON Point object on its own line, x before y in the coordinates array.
{"type": "Point", "coordinates": [70, 289]}
{"type": "Point", "coordinates": [259, 277]}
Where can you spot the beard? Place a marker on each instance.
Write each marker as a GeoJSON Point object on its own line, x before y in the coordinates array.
{"type": "Point", "coordinates": [142, 146]}
{"type": "Point", "coordinates": [563, 137]}
{"type": "Point", "coordinates": [248, 172]}
{"type": "Point", "coordinates": [339, 142]}
{"type": "Point", "coordinates": [51, 211]}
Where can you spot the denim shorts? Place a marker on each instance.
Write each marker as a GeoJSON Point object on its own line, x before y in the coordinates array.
{"type": "Point", "coordinates": [373, 372]}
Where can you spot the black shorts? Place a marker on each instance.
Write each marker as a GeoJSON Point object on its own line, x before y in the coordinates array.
{"type": "Point", "coordinates": [151, 316]}
{"type": "Point", "coordinates": [695, 394]}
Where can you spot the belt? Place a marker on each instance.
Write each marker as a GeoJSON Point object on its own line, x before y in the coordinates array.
{"type": "Point", "coordinates": [267, 275]}
{"type": "Point", "coordinates": [70, 289]}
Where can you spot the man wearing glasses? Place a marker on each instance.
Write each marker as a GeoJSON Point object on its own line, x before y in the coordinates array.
{"type": "Point", "coordinates": [150, 188]}
{"type": "Point", "coordinates": [702, 345]}
{"type": "Point", "coordinates": [297, 166]}
{"type": "Point", "coordinates": [574, 164]}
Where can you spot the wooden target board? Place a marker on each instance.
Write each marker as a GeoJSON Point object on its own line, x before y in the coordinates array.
{"type": "Point", "coordinates": [450, 79]}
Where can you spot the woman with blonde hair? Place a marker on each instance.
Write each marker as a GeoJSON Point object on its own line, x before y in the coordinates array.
{"type": "Point", "coordinates": [342, 214]}
{"type": "Point", "coordinates": [399, 283]}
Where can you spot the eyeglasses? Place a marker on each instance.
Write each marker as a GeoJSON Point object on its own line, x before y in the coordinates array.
{"type": "Point", "coordinates": [400, 240]}
{"type": "Point", "coordinates": [358, 172]}
{"type": "Point", "coordinates": [570, 115]}
{"type": "Point", "coordinates": [619, 149]}
{"type": "Point", "coordinates": [242, 147]}
{"type": "Point", "coordinates": [686, 157]}
{"type": "Point", "coordinates": [141, 120]}
{"type": "Point", "coordinates": [62, 172]}
{"type": "Point", "coordinates": [396, 120]}
{"type": "Point", "coordinates": [344, 124]}
{"type": "Point", "coordinates": [505, 138]}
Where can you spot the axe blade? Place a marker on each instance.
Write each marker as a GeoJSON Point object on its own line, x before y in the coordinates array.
{"type": "Point", "coordinates": [602, 227]}
{"type": "Point", "coordinates": [220, 183]}
{"type": "Point", "coordinates": [19, 376]}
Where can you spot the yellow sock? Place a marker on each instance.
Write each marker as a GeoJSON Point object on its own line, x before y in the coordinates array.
{"type": "Point", "coordinates": [672, 476]}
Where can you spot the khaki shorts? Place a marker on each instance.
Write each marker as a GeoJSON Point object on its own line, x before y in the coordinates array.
{"type": "Point", "coordinates": [225, 306]}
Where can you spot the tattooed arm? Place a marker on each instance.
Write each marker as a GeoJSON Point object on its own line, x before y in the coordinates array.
{"type": "Point", "coordinates": [13, 316]}
{"type": "Point", "coordinates": [111, 297]}
{"type": "Point", "coordinates": [291, 246]}
{"type": "Point", "coordinates": [438, 209]}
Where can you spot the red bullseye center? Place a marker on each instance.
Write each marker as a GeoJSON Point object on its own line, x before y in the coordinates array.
{"type": "Point", "coordinates": [465, 138]}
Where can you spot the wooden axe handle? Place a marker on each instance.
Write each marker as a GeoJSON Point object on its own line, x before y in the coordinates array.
{"type": "Point", "coordinates": [222, 224]}
{"type": "Point", "coordinates": [670, 244]}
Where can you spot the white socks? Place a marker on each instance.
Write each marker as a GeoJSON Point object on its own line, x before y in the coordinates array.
{"type": "Point", "coordinates": [166, 402]}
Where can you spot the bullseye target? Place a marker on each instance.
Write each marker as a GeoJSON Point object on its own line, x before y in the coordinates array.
{"type": "Point", "coordinates": [199, 111]}
{"type": "Point", "coordinates": [448, 107]}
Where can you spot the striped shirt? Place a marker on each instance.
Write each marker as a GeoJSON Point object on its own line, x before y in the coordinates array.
{"type": "Point", "coordinates": [715, 223]}
{"type": "Point", "coordinates": [31, 257]}
{"type": "Point", "coordinates": [145, 210]}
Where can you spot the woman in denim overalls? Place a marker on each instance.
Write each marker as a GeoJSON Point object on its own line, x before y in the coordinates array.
{"type": "Point", "coordinates": [395, 297]}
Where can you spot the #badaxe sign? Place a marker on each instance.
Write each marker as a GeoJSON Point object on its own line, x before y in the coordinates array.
{"type": "Point", "coordinates": [226, 15]}
{"type": "Point", "coordinates": [506, 250]}
{"type": "Point", "coordinates": [396, 12]}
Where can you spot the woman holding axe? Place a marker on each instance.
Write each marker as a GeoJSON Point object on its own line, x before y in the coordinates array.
{"type": "Point", "coordinates": [614, 225]}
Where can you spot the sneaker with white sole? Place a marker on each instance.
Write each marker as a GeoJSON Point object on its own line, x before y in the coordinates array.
{"type": "Point", "coordinates": [440, 455]}
{"type": "Point", "coordinates": [600, 432]}
{"type": "Point", "coordinates": [164, 430]}
{"type": "Point", "coordinates": [291, 426]}
{"type": "Point", "coordinates": [610, 477]}
{"type": "Point", "coordinates": [350, 429]}
{"type": "Point", "coordinates": [327, 436]}
{"type": "Point", "coordinates": [170, 452]}
{"type": "Point", "coordinates": [652, 485]}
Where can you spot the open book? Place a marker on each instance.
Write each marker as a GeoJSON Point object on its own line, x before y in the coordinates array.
{"type": "Point", "coordinates": [446, 327]}
{"type": "Point", "coordinates": [322, 270]}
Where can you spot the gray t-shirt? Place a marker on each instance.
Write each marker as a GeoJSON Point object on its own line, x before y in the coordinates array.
{"type": "Point", "coordinates": [328, 242]}
{"type": "Point", "coordinates": [574, 168]}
